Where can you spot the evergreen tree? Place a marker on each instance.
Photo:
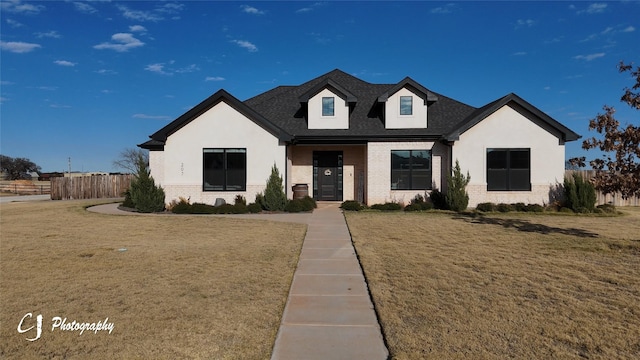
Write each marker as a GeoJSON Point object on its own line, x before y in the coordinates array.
{"type": "Point", "coordinates": [145, 195]}
{"type": "Point", "coordinates": [274, 197]}
{"type": "Point", "coordinates": [457, 197]}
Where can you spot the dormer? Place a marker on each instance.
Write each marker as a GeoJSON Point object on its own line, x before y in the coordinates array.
{"type": "Point", "coordinates": [328, 106]}
{"type": "Point", "coordinates": [405, 105]}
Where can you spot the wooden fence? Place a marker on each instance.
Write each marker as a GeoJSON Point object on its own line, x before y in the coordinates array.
{"type": "Point", "coordinates": [26, 189]}
{"type": "Point", "coordinates": [89, 187]}
{"type": "Point", "coordinates": [615, 199]}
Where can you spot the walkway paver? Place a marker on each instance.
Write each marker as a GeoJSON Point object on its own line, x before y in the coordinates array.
{"type": "Point", "coordinates": [329, 314]}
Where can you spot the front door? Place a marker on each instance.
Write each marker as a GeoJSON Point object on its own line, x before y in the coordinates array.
{"type": "Point", "coordinates": [327, 175]}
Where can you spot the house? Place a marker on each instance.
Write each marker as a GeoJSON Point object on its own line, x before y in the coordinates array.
{"type": "Point", "coordinates": [348, 139]}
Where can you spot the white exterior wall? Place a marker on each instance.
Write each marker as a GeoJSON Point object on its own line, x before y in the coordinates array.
{"type": "Point", "coordinates": [340, 120]}
{"type": "Point", "coordinates": [507, 128]}
{"type": "Point", "coordinates": [181, 163]}
{"type": "Point", "coordinates": [156, 166]}
{"type": "Point", "coordinates": [379, 170]}
{"type": "Point", "coordinates": [393, 119]}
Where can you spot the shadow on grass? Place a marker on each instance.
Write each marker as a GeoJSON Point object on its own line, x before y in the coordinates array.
{"type": "Point", "coordinates": [523, 225]}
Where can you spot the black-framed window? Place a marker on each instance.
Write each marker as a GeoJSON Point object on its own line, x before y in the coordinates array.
{"type": "Point", "coordinates": [406, 105]}
{"type": "Point", "coordinates": [508, 169]}
{"type": "Point", "coordinates": [224, 169]}
{"type": "Point", "coordinates": [411, 169]}
{"type": "Point", "coordinates": [328, 106]}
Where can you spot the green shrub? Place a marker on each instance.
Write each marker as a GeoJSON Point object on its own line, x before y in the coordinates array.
{"type": "Point", "coordinates": [260, 200]}
{"type": "Point", "coordinates": [457, 197]}
{"type": "Point", "coordinates": [274, 196]}
{"type": "Point", "coordinates": [294, 206]}
{"type": "Point", "coordinates": [182, 207]}
{"type": "Point", "coordinates": [486, 207]}
{"type": "Point", "coordinates": [533, 208]}
{"type": "Point", "coordinates": [309, 203]}
{"type": "Point", "coordinates": [580, 194]}
{"type": "Point", "coordinates": [438, 199]}
{"type": "Point", "coordinates": [145, 195]}
{"type": "Point", "coordinates": [520, 207]}
{"type": "Point", "coordinates": [351, 205]}
{"type": "Point", "coordinates": [200, 208]}
{"type": "Point", "coordinates": [566, 210]}
{"type": "Point", "coordinates": [502, 207]}
{"type": "Point", "coordinates": [254, 208]}
{"type": "Point", "coordinates": [388, 206]}
{"type": "Point", "coordinates": [225, 209]}
{"type": "Point", "coordinates": [607, 208]}
{"type": "Point", "coordinates": [413, 207]}
{"type": "Point", "coordinates": [240, 200]}
{"type": "Point", "coordinates": [128, 202]}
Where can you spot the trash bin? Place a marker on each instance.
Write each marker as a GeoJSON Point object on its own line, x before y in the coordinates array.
{"type": "Point", "coordinates": [300, 191]}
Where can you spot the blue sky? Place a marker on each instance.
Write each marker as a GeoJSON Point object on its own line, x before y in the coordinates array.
{"type": "Point", "coordinates": [86, 79]}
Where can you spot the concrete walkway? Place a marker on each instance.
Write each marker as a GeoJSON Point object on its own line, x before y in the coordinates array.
{"type": "Point", "coordinates": [329, 314]}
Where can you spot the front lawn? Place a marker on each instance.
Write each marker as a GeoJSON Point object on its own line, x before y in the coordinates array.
{"type": "Point", "coordinates": [174, 287]}
{"type": "Point", "coordinates": [503, 285]}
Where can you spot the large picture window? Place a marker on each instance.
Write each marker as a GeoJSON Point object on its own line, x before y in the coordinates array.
{"type": "Point", "coordinates": [508, 169]}
{"type": "Point", "coordinates": [224, 169]}
{"type": "Point", "coordinates": [411, 169]}
{"type": "Point", "coordinates": [328, 106]}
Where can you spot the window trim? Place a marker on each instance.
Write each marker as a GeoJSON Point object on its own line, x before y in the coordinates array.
{"type": "Point", "coordinates": [333, 108]}
{"type": "Point", "coordinates": [508, 170]}
{"type": "Point", "coordinates": [225, 186]}
{"type": "Point", "coordinates": [411, 175]}
{"type": "Point", "coordinates": [410, 97]}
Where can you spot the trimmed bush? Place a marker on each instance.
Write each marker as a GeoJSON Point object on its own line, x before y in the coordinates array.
{"type": "Point", "coordinates": [182, 207]}
{"type": "Point", "coordinates": [351, 205]}
{"type": "Point", "coordinates": [457, 197]}
{"type": "Point", "coordinates": [128, 202]}
{"type": "Point", "coordinates": [309, 203]}
{"type": "Point", "coordinates": [520, 207]}
{"type": "Point", "coordinates": [294, 206]}
{"type": "Point", "coordinates": [240, 200]}
{"type": "Point", "coordinates": [274, 196]}
{"type": "Point", "coordinates": [438, 199]}
{"type": "Point", "coordinates": [607, 208]}
{"type": "Point", "coordinates": [502, 207]}
{"type": "Point", "coordinates": [260, 200]}
{"type": "Point", "coordinates": [580, 194]}
{"type": "Point", "coordinates": [533, 208]}
{"type": "Point", "coordinates": [388, 206]}
{"type": "Point", "coordinates": [486, 207]}
{"type": "Point", "coordinates": [254, 208]}
{"type": "Point", "coordinates": [566, 210]}
{"type": "Point", "coordinates": [200, 208]}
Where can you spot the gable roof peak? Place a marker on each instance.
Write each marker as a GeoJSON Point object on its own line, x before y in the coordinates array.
{"type": "Point", "coordinates": [408, 82]}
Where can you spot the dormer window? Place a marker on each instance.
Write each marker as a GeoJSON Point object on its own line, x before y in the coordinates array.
{"type": "Point", "coordinates": [406, 105]}
{"type": "Point", "coordinates": [328, 106]}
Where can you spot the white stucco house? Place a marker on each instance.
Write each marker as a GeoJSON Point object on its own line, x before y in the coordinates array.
{"type": "Point", "coordinates": [348, 139]}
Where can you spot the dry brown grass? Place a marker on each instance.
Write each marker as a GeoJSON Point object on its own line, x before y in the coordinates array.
{"type": "Point", "coordinates": [504, 285]}
{"type": "Point", "coordinates": [187, 286]}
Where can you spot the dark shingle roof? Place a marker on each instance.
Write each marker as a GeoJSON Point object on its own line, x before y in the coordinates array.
{"type": "Point", "coordinates": [282, 111]}
{"type": "Point", "coordinates": [283, 107]}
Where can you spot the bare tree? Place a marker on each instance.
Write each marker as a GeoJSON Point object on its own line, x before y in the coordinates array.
{"type": "Point", "coordinates": [129, 159]}
{"type": "Point", "coordinates": [618, 170]}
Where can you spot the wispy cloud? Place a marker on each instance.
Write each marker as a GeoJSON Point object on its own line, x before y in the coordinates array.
{"type": "Point", "coordinates": [519, 53]}
{"type": "Point", "coordinates": [446, 9]}
{"type": "Point", "coordinates": [83, 7]}
{"type": "Point", "coordinates": [65, 63]}
{"type": "Point", "coordinates": [49, 34]}
{"type": "Point", "coordinates": [594, 8]}
{"type": "Point", "coordinates": [589, 57]}
{"type": "Point", "coordinates": [17, 6]}
{"type": "Point", "coordinates": [158, 14]}
{"type": "Point", "coordinates": [152, 117]}
{"type": "Point", "coordinates": [137, 28]}
{"type": "Point", "coordinates": [520, 23]}
{"type": "Point", "coordinates": [163, 69]}
{"type": "Point", "coordinates": [47, 88]}
{"type": "Point", "coordinates": [121, 42]}
{"type": "Point", "coordinates": [60, 106]}
{"type": "Point", "coordinates": [18, 46]}
{"type": "Point", "coordinates": [106, 72]}
{"type": "Point", "coordinates": [310, 8]}
{"type": "Point", "coordinates": [246, 44]}
{"type": "Point", "coordinates": [214, 78]}
{"type": "Point", "coordinates": [629, 29]}
{"type": "Point", "coordinates": [251, 10]}
{"type": "Point", "coordinates": [14, 23]}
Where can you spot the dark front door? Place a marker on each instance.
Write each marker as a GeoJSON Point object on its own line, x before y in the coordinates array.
{"type": "Point", "coordinates": [327, 175]}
